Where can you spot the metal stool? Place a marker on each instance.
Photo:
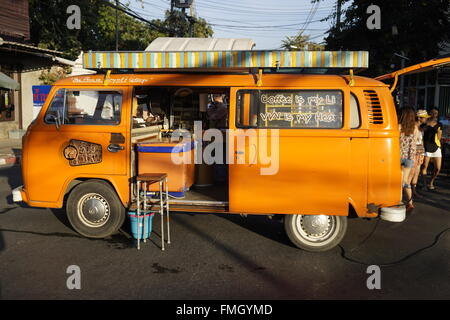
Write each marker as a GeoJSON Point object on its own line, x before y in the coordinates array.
{"type": "Point", "coordinates": [142, 181]}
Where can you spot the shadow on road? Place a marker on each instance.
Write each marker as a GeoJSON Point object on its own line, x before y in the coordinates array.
{"type": "Point", "coordinates": [120, 240]}
{"type": "Point", "coordinates": [272, 229]}
{"type": "Point", "coordinates": [438, 198]}
{"type": "Point", "coordinates": [282, 285]}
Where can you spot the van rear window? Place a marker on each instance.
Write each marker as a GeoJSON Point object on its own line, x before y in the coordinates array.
{"type": "Point", "coordinates": [290, 109]}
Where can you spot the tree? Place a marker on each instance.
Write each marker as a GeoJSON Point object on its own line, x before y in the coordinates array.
{"type": "Point", "coordinates": [98, 27]}
{"type": "Point", "coordinates": [301, 42]}
{"type": "Point", "coordinates": [179, 24]}
{"type": "Point", "coordinates": [416, 28]}
{"type": "Point", "coordinates": [49, 77]}
{"type": "Point", "coordinates": [49, 30]}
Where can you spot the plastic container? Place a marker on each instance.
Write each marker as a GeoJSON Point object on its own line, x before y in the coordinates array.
{"type": "Point", "coordinates": [146, 219]}
{"type": "Point", "coordinates": [156, 157]}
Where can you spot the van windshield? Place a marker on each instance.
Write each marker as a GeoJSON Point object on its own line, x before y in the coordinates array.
{"type": "Point", "coordinates": [93, 107]}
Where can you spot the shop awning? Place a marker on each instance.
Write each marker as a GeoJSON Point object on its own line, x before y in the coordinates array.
{"type": "Point", "coordinates": [147, 60]}
{"type": "Point", "coordinates": [8, 83]}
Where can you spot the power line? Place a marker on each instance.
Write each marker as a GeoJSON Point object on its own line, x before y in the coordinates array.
{"type": "Point", "coordinates": [261, 27]}
{"type": "Point", "coordinates": [262, 8]}
{"type": "Point", "coordinates": [313, 11]}
{"type": "Point", "coordinates": [266, 13]}
{"type": "Point", "coordinates": [129, 12]}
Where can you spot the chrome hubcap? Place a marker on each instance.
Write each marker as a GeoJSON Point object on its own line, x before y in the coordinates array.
{"type": "Point", "coordinates": [93, 210]}
{"type": "Point", "coordinates": [316, 228]}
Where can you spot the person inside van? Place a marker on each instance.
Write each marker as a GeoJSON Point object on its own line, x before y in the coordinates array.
{"type": "Point", "coordinates": [408, 146]}
{"type": "Point", "coordinates": [432, 134]}
{"type": "Point", "coordinates": [217, 112]}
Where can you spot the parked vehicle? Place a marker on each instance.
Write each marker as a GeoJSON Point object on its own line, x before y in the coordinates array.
{"type": "Point", "coordinates": [315, 148]}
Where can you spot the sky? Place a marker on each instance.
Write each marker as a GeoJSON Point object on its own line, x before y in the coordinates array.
{"type": "Point", "coordinates": [267, 22]}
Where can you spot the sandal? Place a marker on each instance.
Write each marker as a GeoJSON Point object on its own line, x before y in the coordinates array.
{"type": "Point", "coordinates": [409, 206]}
{"type": "Point", "coordinates": [430, 187]}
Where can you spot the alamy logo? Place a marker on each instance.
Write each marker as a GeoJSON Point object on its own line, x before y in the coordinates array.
{"type": "Point", "coordinates": [74, 280]}
{"type": "Point", "coordinates": [374, 20]}
{"type": "Point", "coordinates": [242, 147]}
{"type": "Point", "coordinates": [374, 281]}
{"type": "Point", "coordinates": [74, 20]}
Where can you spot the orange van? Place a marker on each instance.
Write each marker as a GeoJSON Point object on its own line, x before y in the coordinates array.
{"type": "Point", "coordinates": [314, 148]}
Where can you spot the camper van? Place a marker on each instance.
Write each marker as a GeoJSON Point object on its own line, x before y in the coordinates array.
{"type": "Point", "coordinates": [296, 140]}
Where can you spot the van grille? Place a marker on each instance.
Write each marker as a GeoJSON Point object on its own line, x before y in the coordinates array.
{"type": "Point", "coordinates": [374, 107]}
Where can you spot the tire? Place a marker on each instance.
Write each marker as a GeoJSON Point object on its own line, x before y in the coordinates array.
{"type": "Point", "coordinates": [315, 233]}
{"type": "Point", "coordinates": [94, 209]}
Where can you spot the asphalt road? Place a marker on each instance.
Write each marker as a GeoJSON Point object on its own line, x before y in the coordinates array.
{"type": "Point", "coordinates": [221, 257]}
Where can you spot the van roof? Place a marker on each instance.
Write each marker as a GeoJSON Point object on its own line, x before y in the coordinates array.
{"type": "Point", "coordinates": [217, 80]}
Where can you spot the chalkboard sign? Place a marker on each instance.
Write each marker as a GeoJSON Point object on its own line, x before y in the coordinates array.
{"type": "Point", "coordinates": [300, 109]}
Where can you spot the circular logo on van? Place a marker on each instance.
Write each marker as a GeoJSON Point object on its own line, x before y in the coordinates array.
{"type": "Point", "coordinates": [70, 152]}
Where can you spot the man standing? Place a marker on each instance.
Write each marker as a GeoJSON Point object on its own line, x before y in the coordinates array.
{"type": "Point", "coordinates": [217, 113]}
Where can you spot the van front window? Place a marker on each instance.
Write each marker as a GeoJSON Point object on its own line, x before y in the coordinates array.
{"type": "Point", "coordinates": [85, 107]}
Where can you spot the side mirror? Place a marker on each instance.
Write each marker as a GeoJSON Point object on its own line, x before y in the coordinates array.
{"type": "Point", "coordinates": [53, 119]}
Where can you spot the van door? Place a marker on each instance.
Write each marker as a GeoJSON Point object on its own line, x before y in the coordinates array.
{"type": "Point", "coordinates": [294, 154]}
{"type": "Point", "coordinates": [81, 134]}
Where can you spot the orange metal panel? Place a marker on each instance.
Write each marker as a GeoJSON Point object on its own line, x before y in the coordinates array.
{"type": "Point", "coordinates": [47, 173]}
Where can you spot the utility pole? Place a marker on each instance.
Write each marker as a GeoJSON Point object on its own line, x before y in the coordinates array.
{"type": "Point", "coordinates": [338, 15]}
{"type": "Point", "coordinates": [117, 25]}
{"type": "Point", "coordinates": [402, 78]}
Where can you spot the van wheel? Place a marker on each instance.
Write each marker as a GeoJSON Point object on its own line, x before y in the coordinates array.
{"type": "Point", "coordinates": [315, 232]}
{"type": "Point", "coordinates": [94, 209]}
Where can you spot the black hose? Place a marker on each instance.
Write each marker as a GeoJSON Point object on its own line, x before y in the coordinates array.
{"type": "Point", "coordinates": [343, 253]}
{"type": "Point", "coordinates": [368, 236]}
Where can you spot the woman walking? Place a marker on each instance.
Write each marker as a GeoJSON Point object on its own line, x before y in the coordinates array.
{"type": "Point", "coordinates": [408, 145]}
{"type": "Point", "coordinates": [421, 118]}
{"type": "Point", "coordinates": [432, 134]}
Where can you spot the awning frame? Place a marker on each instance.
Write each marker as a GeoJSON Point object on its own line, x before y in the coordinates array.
{"type": "Point", "coordinates": [420, 67]}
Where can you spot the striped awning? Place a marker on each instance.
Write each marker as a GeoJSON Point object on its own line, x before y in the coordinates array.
{"type": "Point", "coordinates": [226, 59]}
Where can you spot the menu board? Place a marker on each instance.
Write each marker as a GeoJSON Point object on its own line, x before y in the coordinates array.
{"type": "Point", "coordinates": [300, 109]}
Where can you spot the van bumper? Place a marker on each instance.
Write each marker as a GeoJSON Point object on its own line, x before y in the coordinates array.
{"type": "Point", "coordinates": [393, 214]}
{"type": "Point", "coordinates": [19, 194]}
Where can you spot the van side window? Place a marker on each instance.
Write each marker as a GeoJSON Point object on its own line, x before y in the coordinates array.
{"type": "Point", "coordinates": [85, 107]}
{"type": "Point", "coordinates": [56, 109]}
{"type": "Point", "coordinates": [247, 109]}
{"type": "Point", "coordinates": [296, 109]}
{"type": "Point", "coordinates": [93, 107]}
{"type": "Point", "coordinates": [355, 117]}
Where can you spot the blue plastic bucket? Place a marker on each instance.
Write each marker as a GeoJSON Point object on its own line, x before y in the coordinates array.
{"type": "Point", "coordinates": [146, 219]}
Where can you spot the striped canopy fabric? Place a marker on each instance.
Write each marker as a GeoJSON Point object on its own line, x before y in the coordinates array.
{"type": "Point", "coordinates": [225, 59]}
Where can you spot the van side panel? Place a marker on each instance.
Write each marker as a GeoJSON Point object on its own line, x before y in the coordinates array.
{"type": "Point", "coordinates": [384, 179]}
{"type": "Point", "coordinates": [312, 175]}
{"type": "Point", "coordinates": [359, 158]}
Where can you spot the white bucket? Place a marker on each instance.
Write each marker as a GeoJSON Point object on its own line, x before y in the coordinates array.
{"type": "Point", "coordinates": [393, 214]}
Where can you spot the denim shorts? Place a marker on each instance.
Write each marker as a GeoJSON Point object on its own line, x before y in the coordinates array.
{"type": "Point", "coordinates": [407, 163]}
